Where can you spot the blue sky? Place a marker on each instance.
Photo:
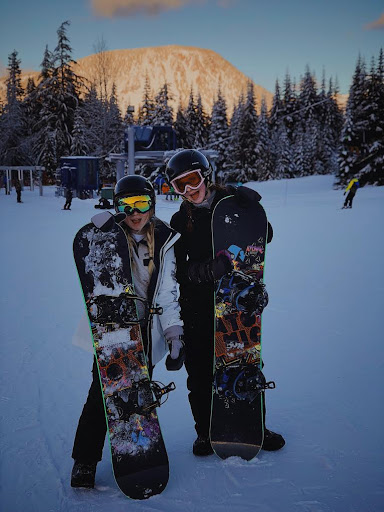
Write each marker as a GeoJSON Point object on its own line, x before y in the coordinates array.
{"type": "Point", "coordinates": [263, 39]}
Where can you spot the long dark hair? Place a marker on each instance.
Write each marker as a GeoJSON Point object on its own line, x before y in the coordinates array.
{"type": "Point", "coordinates": [188, 206]}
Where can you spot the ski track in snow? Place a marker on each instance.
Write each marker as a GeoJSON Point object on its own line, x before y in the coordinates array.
{"type": "Point", "coordinates": [322, 344]}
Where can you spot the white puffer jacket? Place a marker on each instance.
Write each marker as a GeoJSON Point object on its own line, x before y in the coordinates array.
{"type": "Point", "coordinates": [166, 296]}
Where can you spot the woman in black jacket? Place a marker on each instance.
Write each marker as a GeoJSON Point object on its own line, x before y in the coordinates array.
{"type": "Point", "coordinates": [196, 273]}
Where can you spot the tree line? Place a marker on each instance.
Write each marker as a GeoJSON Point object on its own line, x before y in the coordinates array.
{"type": "Point", "coordinates": [305, 131]}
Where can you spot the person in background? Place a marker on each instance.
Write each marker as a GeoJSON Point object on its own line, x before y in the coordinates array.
{"type": "Point", "coordinates": [18, 190]}
{"type": "Point", "coordinates": [352, 187]}
{"type": "Point", "coordinates": [189, 172]}
{"type": "Point", "coordinates": [68, 199]}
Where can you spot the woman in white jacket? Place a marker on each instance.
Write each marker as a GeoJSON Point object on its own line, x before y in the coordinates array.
{"type": "Point", "coordinates": [153, 268]}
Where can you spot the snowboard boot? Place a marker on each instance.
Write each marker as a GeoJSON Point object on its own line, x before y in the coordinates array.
{"type": "Point", "coordinates": [202, 446]}
{"type": "Point", "coordinates": [83, 475]}
{"type": "Point", "coordinates": [272, 441]}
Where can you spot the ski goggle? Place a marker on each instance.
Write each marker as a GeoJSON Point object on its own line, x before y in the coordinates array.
{"type": "Point", "coordinates": [190, 179]}
{"type": "Point", "coordinates": [129, 204]}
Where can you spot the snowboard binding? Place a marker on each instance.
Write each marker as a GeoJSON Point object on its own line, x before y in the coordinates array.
{"type": "Point", "coordinates": [241, 381]}
{"type": "Point", "coordinates": [142, 398]}
{"type": "Point", "coordinates": [121, 309]}
{"type": "Point", "coordinates": [243, 291]}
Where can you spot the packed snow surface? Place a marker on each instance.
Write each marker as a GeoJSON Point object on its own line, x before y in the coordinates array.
{"type": "Point", "coordinates": [322, 344]}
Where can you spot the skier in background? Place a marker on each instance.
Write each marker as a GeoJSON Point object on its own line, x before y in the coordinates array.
{"type": "Point", "coordinates": [68, 199]}
{"type": "Point", "coordinates": [351, 189]}
{"type": "Point", "coordinates": [147, 236]}
{"type": "Point", "coordinates": [189, 172]}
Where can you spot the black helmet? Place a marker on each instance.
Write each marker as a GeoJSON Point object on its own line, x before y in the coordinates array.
{"type": "Point", "coordinates": [187, 160]}
{"type": "Point", "coordinates": [134, 185]}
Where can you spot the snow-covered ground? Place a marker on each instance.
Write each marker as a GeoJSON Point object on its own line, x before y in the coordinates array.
{"type": "Point", "coordinates": [322, 344]}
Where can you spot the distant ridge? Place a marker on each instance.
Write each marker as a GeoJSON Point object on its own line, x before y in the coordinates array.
{"type": "Point", "coordinates": [183, 68]}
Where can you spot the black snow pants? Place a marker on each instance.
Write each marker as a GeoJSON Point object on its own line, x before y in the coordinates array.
{"type": "Point", "coordinates": [349, 199]}
{"type": "Point", "coordinates": [199, 345]}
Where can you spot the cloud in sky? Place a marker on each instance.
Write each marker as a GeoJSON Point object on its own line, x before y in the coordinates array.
{"type": "Point", "coordinates": [125, 8]}
{"type": "Point", "coordinates": [377, 24]}
{"type": "Point", "coordinates": [120, 8]}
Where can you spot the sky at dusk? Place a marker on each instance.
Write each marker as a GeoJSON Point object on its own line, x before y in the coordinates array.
{"type": "Point", "coordinates": [263, 38]}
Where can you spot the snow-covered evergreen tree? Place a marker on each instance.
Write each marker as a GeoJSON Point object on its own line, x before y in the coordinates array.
{"type": "Point", "coordinates": [247, 133]}
{"type": "Point", "coordinates": [285, 158]}
{"type": "Point", "coordinates": [290, 107]}
{"type": "Point", "coordinates": [11, 124]}
{"type": "Point", "coordinates": [92, 114]}
{"type": "Point", "coordinates": [66, 86]}
{"type": "Point", "coordinates": [276, 111]}
{"type": "Point", "coordinates": [31, 115]}
{"type": "Point", "coordinates": [353, 136]}
{"type": "Point", "coordinates": [202, 125]}
{"type": "Point", "coordinates": [163, 111]}
{"type": "Point", "coordinates": [371, 164]}
{"type": "Point", "coordinates": [146, 110]}
{"type": "Point", "coordinates": [219, 131]}
{"type": "Point", "coordinates": [331, 129]}
{"type": "Point", "coordinates": [234, 144]}
{"type": "Point", "coordinates": [264, 160]}
{"type": "Point", "coordinates": [115, 130]}
{"type": "Point", "coordinates": [181, 128]}
{"type": "Point", "coordinates": [191, 121]}
{"type": "Point", "coordinates": [79, 146]}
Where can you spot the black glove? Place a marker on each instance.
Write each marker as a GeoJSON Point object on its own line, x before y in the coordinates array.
{"type": "Point", "coordinates": [210, 270]}
{"type": "Point", "coordinates": [244, 196]}
{"type": "Point", "coordinates": [106, 220]}
{"type": "Point", "coordinates": [221, 265]}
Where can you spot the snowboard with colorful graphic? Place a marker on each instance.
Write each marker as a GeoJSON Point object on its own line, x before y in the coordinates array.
{"type": "Point", "coordinates": [139, 457]}
{"type": "Point", "coordinates": [237, 426]}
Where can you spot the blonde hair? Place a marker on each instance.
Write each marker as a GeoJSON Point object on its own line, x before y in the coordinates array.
{"type": "Point", "coordinates": [149, 233]}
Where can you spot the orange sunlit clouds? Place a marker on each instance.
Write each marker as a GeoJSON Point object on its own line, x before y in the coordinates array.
{"type": "Point", "coordinates": [120, 8]}
{"type": "Point", "coordinates": [377, 24]}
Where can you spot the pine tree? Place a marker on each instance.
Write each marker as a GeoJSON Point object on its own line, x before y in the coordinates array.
{"type": "Point", "coordinates": [115, 128]}
{"type": "Point", "coordinates": [264, 161]}
{"type": "Point", "coordinates": [163, 112]}
{"type": "Point", "coordinates": [202, 125]}
{"type": "Point", "coordinates": [285, 154]}
{"type": "Point", "coordinates": [235, 144]}
{"type": "Point", "coordinates": [192, 122]}
{"type": "Point", "coordinates": [276, 112]}
{"type": "Point", "coordinates": [353, 146]}
{"type": "Point", "coordinates": [146, 110]}
{"type": "Point", "coordinates": [11, 127]}
{"type": "Point", "coordinates": [248, 135]}
{"type": "Point", "coordinates": [181, 128]}
{"type": "Point", "coordinates": [58, 95]}
{"type": "Point", "coordinates": [90, 113]}
{"type": "Point", "coordinates": [79, 145]}
{"type": "Point", "coordinates": [290, 106]}
{"type": "Point", "coordinates": [333, 121]}
{"type": "Point", "coordinates": [219, 132]}
{"type": "Point", "coordinates": [66, 85]}
{"type": "Point", "coordinates": [31, 115]}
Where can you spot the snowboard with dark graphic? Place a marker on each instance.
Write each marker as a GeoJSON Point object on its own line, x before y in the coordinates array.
{"type": "Point", "coordinates": [240, 297]}
{"type": "Point", "coordinates": [139, 457]}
